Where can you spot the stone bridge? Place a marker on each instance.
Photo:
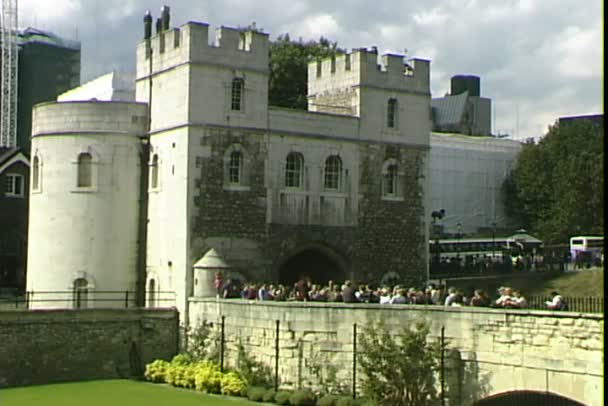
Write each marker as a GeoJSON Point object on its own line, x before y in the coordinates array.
{"type": "Point", "coordinates": [500, 354]}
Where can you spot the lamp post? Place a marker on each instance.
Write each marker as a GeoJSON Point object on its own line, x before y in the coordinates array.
{"type": "Point", "coordinates": [437, 215]}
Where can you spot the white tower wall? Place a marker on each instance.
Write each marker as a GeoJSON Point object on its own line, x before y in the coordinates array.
{"type": "Point", "coordinates": [84, 232]}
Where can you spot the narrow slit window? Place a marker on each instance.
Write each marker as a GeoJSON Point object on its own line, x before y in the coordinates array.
{"type": "Point", "coordinates": [36, 173]}
{"type": "Point", "coordinates": [391, 120]}
{"type": "Point", "coordinates": [390, 181]}
{"type": "Point", "coordinates": [85, 175]}
{"type": "Point", "coordinates": [238, 87]}
{"type": "Point", "coordinates": [154, 174]}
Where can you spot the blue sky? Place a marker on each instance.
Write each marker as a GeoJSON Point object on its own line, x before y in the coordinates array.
{"type": "Point", "coordinates": [537, 60]}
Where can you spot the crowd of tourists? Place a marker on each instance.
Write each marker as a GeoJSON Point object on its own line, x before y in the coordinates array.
{"type": "Point", "coordinates": [348, 292]}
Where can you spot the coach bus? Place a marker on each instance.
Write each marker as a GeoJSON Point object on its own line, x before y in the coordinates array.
{"type": "Point", "coordinates": [586, 251]}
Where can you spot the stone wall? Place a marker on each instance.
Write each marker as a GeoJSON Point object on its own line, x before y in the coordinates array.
{"type": "Point", "coordinates": [43, 346]}
{"type": "Point", "coordinates": [491, 350]}
{"type": "Point", "coordinates": [369, 235]}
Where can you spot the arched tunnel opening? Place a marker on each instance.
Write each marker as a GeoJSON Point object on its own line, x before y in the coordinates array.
{"type": "Point", "coordinates": [527, 398]}
{"type": "Point", "coordinates": [319, 265]}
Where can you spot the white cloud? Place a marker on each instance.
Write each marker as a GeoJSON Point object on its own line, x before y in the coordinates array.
{"type": "Point", "coordinates": [318, 25]}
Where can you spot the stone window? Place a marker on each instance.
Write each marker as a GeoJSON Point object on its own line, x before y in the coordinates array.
{"type": "Point", "coordinates": [294, 170]}
{"type": "Point", "coordinates": [333, 172]}
{"type": "Point", "coordinates": [154, 168]}
{"type": "Point", "coordinates": [14, 185]}
{"type": "Point", "coordinates": [391, 180]}
{"type": "Point", "coordinates": [85, 170]}
{"type": "Point", "coordinates": [391, 118]}
{"type": "Point", "coordinates": [81, 292]}
{"type": "Point", "coordinates": [238, 89]}
{"type": "Point", "coordinates": [36, 174]}
{"type": "Point", "coordinates": [235, 168]}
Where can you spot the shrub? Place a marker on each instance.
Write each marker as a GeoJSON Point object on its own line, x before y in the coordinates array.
{"type": "Point", "coordinates": [256, 393]}
{"type": "Point", "coordinates": [327, 400]}
{"type": "Point", "coordinates": [175, 374]}
{"type": "Point", "coordinates": [181, 359]}
{"type": "Point", "coordinates": [282, 397]}
{"type": "Point", "coordinates": [207, 377]}
{"type": "Point", "coordinates": [302, 398]}
{"type": "Point", "coordinates": [345, 401]}
{"type": "Point", "coordinates": [254, 371]}
{"type": "Point", "coordinates": [269, 396]}
{"type": "Point", "coordinates": [156, 371]}
{"type": "Point", "coordinates": [233, 384]}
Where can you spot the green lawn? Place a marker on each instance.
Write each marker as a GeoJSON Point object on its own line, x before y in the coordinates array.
{"type": "Point", "coordinates": [112, 392]}
{"type": "Point", "coordinates": [580, 283]}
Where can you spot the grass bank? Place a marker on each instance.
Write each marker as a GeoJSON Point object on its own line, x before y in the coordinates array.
{"type": "Point", "coordinates": [112, 392]}
{"type": "Point", "coordinates": [589, 282]}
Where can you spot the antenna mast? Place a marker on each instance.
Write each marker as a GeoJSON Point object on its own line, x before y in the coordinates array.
{"type": "Point", "coordinates": [8, 85]}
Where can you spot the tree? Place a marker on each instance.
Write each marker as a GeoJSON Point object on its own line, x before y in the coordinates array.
{"type": "Point", "coordinates": [556, 189]}
{"type": "Point", "coordinates": [399, 369]}
{"type": "Point", "coordinates": [288, 86]}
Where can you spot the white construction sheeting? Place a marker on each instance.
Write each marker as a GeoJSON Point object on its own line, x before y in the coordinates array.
{"type": "Point", "coordinates": [466, 177]}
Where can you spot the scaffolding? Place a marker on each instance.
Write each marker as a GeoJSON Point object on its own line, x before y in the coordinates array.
{"type": "Point", "coordinates": [8, 86]}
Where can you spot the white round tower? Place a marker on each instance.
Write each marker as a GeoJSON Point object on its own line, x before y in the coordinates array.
{"type": "Point", "coordinates": [84, 202]}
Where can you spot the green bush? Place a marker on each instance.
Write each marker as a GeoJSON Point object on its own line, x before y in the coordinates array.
{"type": "Point", "coordinates": [282, 397]}
{"type": "Point", "coordinates": [175, 374]}
{"type": "Point", "coordinates": [233, 384]}
{"type": "Point", "coordinates": [181, 359]}
{"type": "Point", "coordinates": [207, 377]}
{"type": "Point", "coordinates": [302, 398]}
{"type": "Point", "coordinates": [156, 371]}
{"type": "Point", "coordinates": [345, 401]}
{"type": "Point", "coordinates": [256, 393]}
{"type": "Point", "coordinates": [327, 400]}
{"type": "Point", "coordinates": [269, 396]}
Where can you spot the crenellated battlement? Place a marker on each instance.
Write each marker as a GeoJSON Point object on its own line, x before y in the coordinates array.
{"type": "Point", "coordinates": [361, 68]}
{"type": "Point", "coordinates": [190, 43]}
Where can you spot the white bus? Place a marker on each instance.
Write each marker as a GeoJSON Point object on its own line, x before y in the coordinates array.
{"type": "Point", "coordinates": [587, 250]}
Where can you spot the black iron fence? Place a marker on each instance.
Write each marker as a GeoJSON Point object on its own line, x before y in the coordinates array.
{"type": "Point", "coordinates": [579, 304]}
{"type": "Point", "coordinates": [84, 298]}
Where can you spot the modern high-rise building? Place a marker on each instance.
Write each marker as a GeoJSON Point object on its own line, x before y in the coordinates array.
{"type": "Point", "coordinates": [47, 66]}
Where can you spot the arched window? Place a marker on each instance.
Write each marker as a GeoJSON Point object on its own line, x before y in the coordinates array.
{"type": "Point", "coordinates": [333, 172]}
{"type": "Point", "coordinates": [391, 118]}
{"type": "Point", "coordinates": [235, 168]}
{"type": "Point", "coordinates": [238, 88]}
{"type": "Point", "coordinates": [390, 180]}
{"type": "Point", "coordinates": [152, 293]}
{"type": "Point", "coordinates": [294, 170]}
{"type": "Point", "coordinates": [36, 173]}
{"type": "Point", "coordinates": [85, 175]}
{"type": "Point", "coordinates": [80, 293]}
{"type": "Point", "coordinates": [154, 172]}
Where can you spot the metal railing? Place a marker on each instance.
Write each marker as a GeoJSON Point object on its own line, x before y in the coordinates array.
{"type": "Point", "coordinates": [579, 304]}
{"type": "Point", "coordinates": [85, 298]}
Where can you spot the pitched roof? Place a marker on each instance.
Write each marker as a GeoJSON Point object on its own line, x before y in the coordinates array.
{"type": "Point", "coordinates": [448, 110]}
{"type": "Point", "coordinates": [9, 156]}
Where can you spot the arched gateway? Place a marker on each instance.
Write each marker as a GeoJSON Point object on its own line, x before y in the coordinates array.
{"type": "Point", "coordinates": [527, 398]}
{"type": "Point", "coordinates": [317, 261]}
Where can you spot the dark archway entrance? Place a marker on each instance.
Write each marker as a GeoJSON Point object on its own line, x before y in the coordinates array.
{"type": "Point", "coordinates": [317, 262]}
{"type": "Point", "coordinates": [527, 398]}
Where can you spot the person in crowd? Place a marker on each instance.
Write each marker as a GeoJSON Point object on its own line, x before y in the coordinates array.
{"type": "Point", "coordinates": [557, 303]}
{"type": "Point", "coordinates": [229, 289]}
{"type": "Point", "coordinates": [348, 293]}
{"type": "Point", "coordinates": [218, 283]}
{"type": "Point", "coordinates": [451, 297]}
{"type": "Point", "coordinates": [400, 297]}
{"type": "Point", "coordinates": [264, 293]}
{"type": "Point", "coordinates": [506, 295]}
{"type": "Point", "coordinates": [301, 288]}
{"type": "Point", "coordinates": [385, 296]}
{"type": "Point", "coordinates": [479, 299]}
{"type": "Point", "coordinates": [518, 301]}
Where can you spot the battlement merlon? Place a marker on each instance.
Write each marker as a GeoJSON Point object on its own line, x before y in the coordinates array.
{"type": "Point", "coordinates": [361, 68]}
{"type": "Point", "coordinates": [190, 43]}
